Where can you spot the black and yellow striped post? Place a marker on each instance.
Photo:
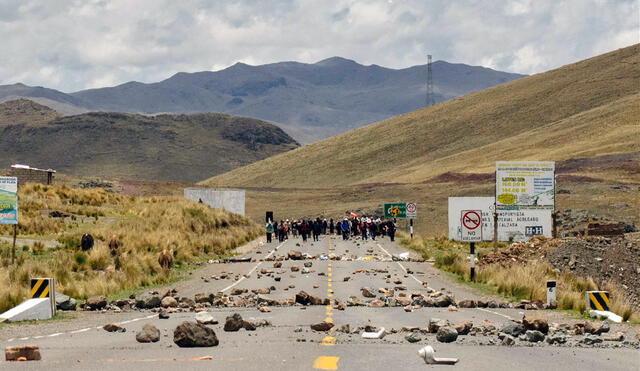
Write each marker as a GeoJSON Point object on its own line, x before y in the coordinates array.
{"type": "Point", "coordinates": [44, 288]}
{"type": "Point", "coordinates": [597, 300]}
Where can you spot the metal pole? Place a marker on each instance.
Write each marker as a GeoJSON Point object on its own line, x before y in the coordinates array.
{"type": "Point", "coordinates": [13, 249]}
{"type": "Point", "coordinates": [472, 272]}
{"type": "Point", "coordinates": [495, 212]}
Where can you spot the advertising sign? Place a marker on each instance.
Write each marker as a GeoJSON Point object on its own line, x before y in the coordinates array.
{"type": "Point", "coordinates": [401, 210]}
{"type": "Point", "coordinates": [8, 200]}
{"type": "Point", "coordinates": [513, 225]}
{"type": "Point", "coordinates": [525, 184]}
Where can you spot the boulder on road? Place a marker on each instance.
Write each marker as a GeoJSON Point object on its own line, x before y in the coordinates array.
{"type": "Point", "coordinates": [169, 302]}
{"type": "Point", "coordinates": [148, 334]}
{"type": "Point", "coordinates": [96, 303]}
{"type": "Point", "coordinates": [193, 334]}
{"type": "Point", "coordinates": [302, 298]}
{"type": "Point", "coordinates": [534, 336]}
{"type": "Point", "coordinates": [322, 326]}
{"type": "Point", "coordinates": [513, 329]}
{"type": "Point", "coordinates": [114, 327]}
{"type": "Point", "coordinates": [537, 324]}
{"type": "Point", "coordinates": [444, 301]}
{"type": "Point", "coordinates": [25, 352]}
{"type": "Point", "coordinates": [234, 323]}
{"type": "Point", "coordinates": [205, 318]}
{"type": "Point", "coordinates": [435, 324]}
{"type": "Point", "coordinates": [367, 293]}
{"type": "Point", "coordinates": [446, 334]}
{"type": "Point", "coordinates": [464, 328]}
{"type": "Point", "coordinates": [467, 303]}
{"type": "Point", "coordinates": [294, 255]}
{"type": "Point", "coordinates": [203, 298]}
{"type": "Point", "coordinates": [413, 337]}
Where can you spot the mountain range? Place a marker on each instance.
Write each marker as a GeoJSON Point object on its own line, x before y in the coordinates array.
{"type": "Point", "coordinates": [309, 101]}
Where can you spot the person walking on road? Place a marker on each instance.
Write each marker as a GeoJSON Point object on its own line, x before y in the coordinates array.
{"type": "Point", "coordinates": [269, 230]}
{"type": "Point", "coordinates": [332, 226]}
{"type": "Point", "coordinates": [345, 229]}
{"type": "Point", "coordinates": [281, 231]}
{"type": "Point", "coordinates": [304, 230]}
{"type": "Point", "coordinates": [391, 230]}
{"type": "Point", "coordinates": [317, 229]}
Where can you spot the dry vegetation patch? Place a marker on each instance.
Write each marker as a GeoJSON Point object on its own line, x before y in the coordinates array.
{"type": "Point", "coordinates": [144, 226]}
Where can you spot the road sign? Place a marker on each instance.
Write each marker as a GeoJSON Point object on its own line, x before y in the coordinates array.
{"type": "Point", "coordinates": [525, 185]}
{"type": "Point", "coordinates": [471, 222]}
{"type": "Point", "coordinates": [401, 210]}
{"type": "Point", "coordinates": [8, 200]}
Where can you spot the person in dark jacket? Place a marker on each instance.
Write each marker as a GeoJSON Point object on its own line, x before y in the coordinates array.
{"type": "Point", "coordinates": [304, 230]}
{"type": "Point", "coordinates": [391, 230]}
{"type": "Point", "coordinates": [332, 226]}
{"type": "Point", "coordinates": [317, 229]}
{"type": "Point", "coordinates": [345, 229]}
{"type": "Point", "coordinates": [324, 226]}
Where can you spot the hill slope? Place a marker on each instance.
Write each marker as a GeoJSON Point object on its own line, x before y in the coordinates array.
{"type": "Point", "coordinates": [584, 116]}
{"type": "Point", "coordinates": [310, 101]}
{"type": "Point", "coordinates": [563, 112]}
{"type": "Point", "coordinates": [171, 147]}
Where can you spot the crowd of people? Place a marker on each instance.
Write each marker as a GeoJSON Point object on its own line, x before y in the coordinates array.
{"type": "Point", "coordinates": [362, 227]}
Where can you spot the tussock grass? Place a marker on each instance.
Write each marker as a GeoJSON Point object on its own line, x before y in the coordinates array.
{"type": "Point", "coordinates": [144, 226]}
{"type": "Point", "coordinates": [519, 281]}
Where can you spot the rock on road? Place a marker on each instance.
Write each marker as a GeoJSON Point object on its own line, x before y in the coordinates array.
{"type": "Point", "coordinates": [290, 344]}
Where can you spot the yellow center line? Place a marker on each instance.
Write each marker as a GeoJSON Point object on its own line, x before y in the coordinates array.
{"type": "Point", "coordinates": [328, 341]}
{"type": "Point", "coordinates": [326, 363]}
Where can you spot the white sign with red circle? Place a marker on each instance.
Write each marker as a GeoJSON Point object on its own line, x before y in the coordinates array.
{"type": "Point", "coordinates": [412, 210]}
{"type": "Point", "coordinates": [471, 223]}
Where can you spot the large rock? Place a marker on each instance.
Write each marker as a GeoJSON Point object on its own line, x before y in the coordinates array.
{"type": "Point", "coordinates": [367, 293]}
{"type": "Point", "coordinates": [413, 337]}
{"type": "Point", "coordinates": [446, 334]}
{"type": "Point", "coordinates": [148, 334]}
{"type": "Point", "coordinates": [444, 301]}
{"type": "Point", "coordinates": [64, 302]}
{"type": "Point", "coordinates": [169, 302]}
{"type": "Point", "coordinates": [537, 324]}
{"type": "Point", "coordinates": [25, 352]}
{"type": "Point", "coordinates": [294, 255]}
{"type": "Point", "coordinates": [435, 324]}
{"type": "Point", "coordinates": [234, 323]}
{"type": "Point", "coordinates": [96, 303]}
{"type": "Point", "coordinates": [464, 328]}
{"type": "Point", "coordinates": [149, 302]}
{"type": "Point", "coordinates": [203, 298]}
{"type": "Point", "coordinates": [193, 334]}
{"type": "Point", "coordinates": [114, 327]}
{"type": "Point", "coordinates": [513, 329]}
{"type": "Point", "coordinates": [205, 318]}
{"type": "Point", "coordinates": [322, 326]}
{"type": "Point", "coordinates": [467, 303]}
{"type": "Point", "coordinates": [303, 298]}
{"type": "Point", "coordinates": [534, 336]}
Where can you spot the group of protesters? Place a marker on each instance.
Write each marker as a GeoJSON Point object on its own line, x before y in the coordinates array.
{"type": "Point", "coordinates": [349, 227]}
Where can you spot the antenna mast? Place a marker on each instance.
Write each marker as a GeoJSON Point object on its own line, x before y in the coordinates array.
{"type": "Point", "coordinates": [430, 98]}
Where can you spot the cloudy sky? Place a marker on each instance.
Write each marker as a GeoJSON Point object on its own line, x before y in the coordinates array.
{"type": "Point", "coordinates": [72, 45]}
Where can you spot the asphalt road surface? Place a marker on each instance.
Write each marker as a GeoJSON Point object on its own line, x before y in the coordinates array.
{"type": "Point", "coordinates": [290, 344]}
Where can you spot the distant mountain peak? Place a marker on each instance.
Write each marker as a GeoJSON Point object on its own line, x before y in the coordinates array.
{"type": "Point", "coordinates": [336, 61]}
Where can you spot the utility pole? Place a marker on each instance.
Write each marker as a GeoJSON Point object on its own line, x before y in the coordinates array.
{"type": "Point", "coordinates": [430, 98]}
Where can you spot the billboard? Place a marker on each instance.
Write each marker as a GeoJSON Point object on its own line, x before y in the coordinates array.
{"type": "Point", "coordinates": [515, 225]}
{"type": "Point", "coordinates": [8, 200]}
{"type": "Point", "coordinates": [525, 184]}
{"type": "Point", "coordinates": [231, 200]}
{"type": "Point", "coordinates": [401, 210]}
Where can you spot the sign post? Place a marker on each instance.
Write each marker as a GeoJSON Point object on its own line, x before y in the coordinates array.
{"type": "Point", "coordinates": [9, 207]}
{"type": "Point", "coordinates": [402, 210]}
{"type": "Point", "coordinates": [471, 222]}
{"type": "Point", "coordinates": [551, 292]}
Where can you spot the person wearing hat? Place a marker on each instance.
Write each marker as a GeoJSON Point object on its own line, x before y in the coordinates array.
{"type": "Point", "coordinates": [269, 229]}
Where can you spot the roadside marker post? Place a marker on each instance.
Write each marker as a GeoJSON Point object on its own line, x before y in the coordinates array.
{"type": "Point", "coordinates": [471, 231]}
{"type": "Point", "coordinates": [551, 291]}
{"type": "Point", "coordinates": [44, 288]}
{"type": "Point", "coordinates": [597, 300]}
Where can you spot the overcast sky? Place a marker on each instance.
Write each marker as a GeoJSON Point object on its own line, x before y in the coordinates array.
{"type": "Point", "coordinates": [72, 45]}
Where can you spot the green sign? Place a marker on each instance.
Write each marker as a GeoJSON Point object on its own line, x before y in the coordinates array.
{"type": "Point", "coordinates": [8, 200]}
{"type": "Point", "coordinates": [400, 210]}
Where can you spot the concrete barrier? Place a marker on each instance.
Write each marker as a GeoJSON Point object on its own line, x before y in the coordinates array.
{"type": "Point", "coordinates": [41, 305]}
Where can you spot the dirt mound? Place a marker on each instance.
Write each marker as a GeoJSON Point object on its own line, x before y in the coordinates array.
{"type": "Point", "coordinates": [615, 260]}
{"type": "Point", "coordinates": [521, 252]}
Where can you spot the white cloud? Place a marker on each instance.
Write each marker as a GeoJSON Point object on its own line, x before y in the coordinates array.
{"type": "Point", "coordinates": [72, 45]}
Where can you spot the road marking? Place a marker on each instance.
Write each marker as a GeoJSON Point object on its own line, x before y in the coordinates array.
{"type": "Point", "coordinates": [401, 266]}
{"type": "Point", "coordinates": [83, 330]}
{"type": "Point", "coordinates": [38, 337]}
{"type": "Point", "coordinates": [27, 338]}
{"type": "Point", "coordinates": [56, 334]}
{"type": "Point", "coordinates": [326, 363]}
{"type": "Point", "coordinates": [253, 269]}
{"type": "Point", "coordinates": [328, 341]}
{"type": "Point", "coordinates": [10, 340]}
{"type": "Point", "coordinates": [496, 313]}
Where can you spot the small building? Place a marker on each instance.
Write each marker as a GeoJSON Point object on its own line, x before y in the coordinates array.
{"type": "Point", "coordinates": [28, 174]}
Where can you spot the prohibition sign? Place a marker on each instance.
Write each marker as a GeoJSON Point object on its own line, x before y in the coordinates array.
{"type": "Point", "coordinates": [411, 207]}
{"type": "Point", "coordinates": [471, 220]}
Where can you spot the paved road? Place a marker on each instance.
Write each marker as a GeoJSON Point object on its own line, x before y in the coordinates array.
{"type": "Point", "coordinates": [290, 344]}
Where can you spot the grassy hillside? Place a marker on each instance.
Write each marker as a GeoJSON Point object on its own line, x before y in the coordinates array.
{"type": "Point", "coordinates": [144, 226]}
{"type": "Point", "coordinates": [102, 144]}
{"type": "Point", "coordinates": [587, 111]}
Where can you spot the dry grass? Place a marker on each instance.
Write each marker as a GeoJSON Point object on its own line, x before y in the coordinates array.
{"type": "Point", "coordinates": [519, 281]}
{"type": "Point", "coordinates": [144, 226]}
